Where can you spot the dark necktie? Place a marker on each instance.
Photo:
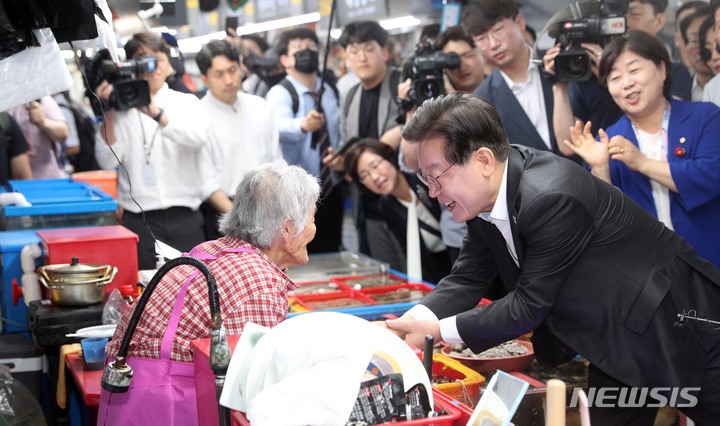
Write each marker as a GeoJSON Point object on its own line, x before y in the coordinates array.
{"type": "Point", "coordinates": [321, 142]}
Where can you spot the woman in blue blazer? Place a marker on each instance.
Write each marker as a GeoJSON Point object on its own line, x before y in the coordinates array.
{"type": "Point", "coordinates": [663, 153]}
{"type": "Point", "coordinates": [373, 165]}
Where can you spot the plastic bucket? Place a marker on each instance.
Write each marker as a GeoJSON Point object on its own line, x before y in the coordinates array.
{"type": "Point", "coordinates": [106, 180]}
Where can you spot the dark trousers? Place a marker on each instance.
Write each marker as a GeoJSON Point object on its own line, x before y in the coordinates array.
{"type": "Point", "coordinates": [328, 220]}
{"type": "Point", "coordinates": [179, 227]}
{"type": "Point", "coordinates": [211, 218]}
{"type": "Point", "coordinates": [706, 412]}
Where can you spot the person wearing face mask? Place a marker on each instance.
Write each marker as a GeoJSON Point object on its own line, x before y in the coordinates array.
{"type": "Point", "coordinates": [307, 132]}
{"type": "Point", "coordinates": [162, 147]}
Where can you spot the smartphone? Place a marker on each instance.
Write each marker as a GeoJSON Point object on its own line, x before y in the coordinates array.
{"type": "Point", "coordinates": [344, 147]}
{"type": "Point", "coordinates": [231, 22]}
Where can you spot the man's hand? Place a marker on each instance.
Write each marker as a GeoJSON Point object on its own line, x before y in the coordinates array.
{"type": "Point", "coordinates": [414, 331]}
{"type": "Point", "coordinates": [104, 90]}
{"type": "Point", "coordinates": [312, 121]}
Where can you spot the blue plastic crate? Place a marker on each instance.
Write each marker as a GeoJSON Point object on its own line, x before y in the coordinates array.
{"type": "Point", "coordinates": [12, 309]}
{"type": "Point", "coordinates": [58, 203]}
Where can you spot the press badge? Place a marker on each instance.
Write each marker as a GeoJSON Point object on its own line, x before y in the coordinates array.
{"type": "Point", "coordinates": [149, 174]}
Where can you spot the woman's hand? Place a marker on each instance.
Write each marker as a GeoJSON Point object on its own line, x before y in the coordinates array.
{"type": "Point", "coordinates": [621, 149]}
{"type": "Point", "coordinates": [334, 162]}
{"type": "Point", "coordinates": [582, 143]}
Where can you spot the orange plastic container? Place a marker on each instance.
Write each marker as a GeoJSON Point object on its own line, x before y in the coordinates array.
{"type": "Point", "coordinates": [106, 180]}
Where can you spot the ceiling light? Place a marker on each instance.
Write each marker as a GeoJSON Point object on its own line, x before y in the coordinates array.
{"type": "Point", "coordinates": [401, 22]}
{"type": "Point", "coordinates": [278, 23]}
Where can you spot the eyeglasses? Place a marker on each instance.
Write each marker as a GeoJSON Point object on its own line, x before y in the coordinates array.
{"type": "Point", "coordinates": [372, 169]}
{"type": "Point", "coordinates": [497, 33]}
{"type": "Point", "coordinates": [433, 180]}
{"type": "Point", "coordinates": [368, 48]}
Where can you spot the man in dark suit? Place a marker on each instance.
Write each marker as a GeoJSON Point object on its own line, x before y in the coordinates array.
{"type": "Point", "coordinates": [517, 87]}
{"type": "Point", "coordinates": [586, 268]}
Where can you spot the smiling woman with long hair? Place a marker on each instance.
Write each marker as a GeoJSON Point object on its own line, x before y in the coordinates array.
{"type": "Point", "coordinates": [374, 167]}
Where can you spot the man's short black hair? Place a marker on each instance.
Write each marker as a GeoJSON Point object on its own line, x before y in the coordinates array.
{"type": "Point", "coordinates": [453, 34]}
{"type": "Point", "coordinates": [216, 48]}
{"type": "Point", "coordinates": [297, 34]}
{"type": "Point", "coordinates": [262, 44]}
{"type": "Point", "coordinates": [659, 6]}
{"type": "Point", "coordinates": [363, 31]}
{"type": "Point", "coordinates": [478, 16]}
{"type": "Point", "coordinates": [149, 40]}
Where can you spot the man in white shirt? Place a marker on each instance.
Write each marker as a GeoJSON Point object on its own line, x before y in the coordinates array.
{"type": "Point", "coordinates": [517, 87]}
{"type": "Point", "coordinates": [241, 132]}
{"type": "Point", "coordinates": [165, 171]}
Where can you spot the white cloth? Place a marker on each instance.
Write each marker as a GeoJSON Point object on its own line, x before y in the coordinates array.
{"type": "Point", "coordinates": [711, 91]}
{"type": "Point", "coordinates": [412, 250]}
{"type": "Point", "coordinates": [181, 166]}
{"type": "Point", "coordinates": [240, 137]}
{"type": "Point", "coordinates": [529, 95]}
{"type": "Point", "coordinates": [696, 94]}
{"type": "Point", "coordinates": [652, 147]}
{"type": "Point", "coordinates": [312, 365]}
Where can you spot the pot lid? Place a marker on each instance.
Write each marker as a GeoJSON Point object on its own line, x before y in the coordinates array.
{"type": "Point", "coordinates": [76, 268]}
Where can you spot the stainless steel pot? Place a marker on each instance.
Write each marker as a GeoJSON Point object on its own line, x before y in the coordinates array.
{"type": "Point", "coordinates": [76, 284]}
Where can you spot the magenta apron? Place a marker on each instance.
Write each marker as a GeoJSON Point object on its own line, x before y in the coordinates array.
{"type": "Point", "coordinates": [162, 391]}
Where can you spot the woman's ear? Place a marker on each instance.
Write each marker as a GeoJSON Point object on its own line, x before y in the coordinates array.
{"type": "Point", "coordinates": [288, 229]}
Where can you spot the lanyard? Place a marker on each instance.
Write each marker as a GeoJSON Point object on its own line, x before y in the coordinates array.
{"type": "Point", "coordinates": [663, 131]}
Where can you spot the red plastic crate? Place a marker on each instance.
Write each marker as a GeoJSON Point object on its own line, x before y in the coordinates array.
{"type": "Point", "coordinates": [376, 292]}
{"type": "Point", "coordinates": [321, 287]}
{"type": "Point", "coordinates": [355, 282]}
{"type": "Point", "coordinates": [319, 302]}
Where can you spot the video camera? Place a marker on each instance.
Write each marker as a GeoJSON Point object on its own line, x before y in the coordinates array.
{"type": "Point", "coordinates": [128, 90]}
{"type": "Point", "coordinates": [425, 70]}
{"type": "Point", "coordinates": [599, 22]}
{"type": "Point", "coordinates": [269, 68]}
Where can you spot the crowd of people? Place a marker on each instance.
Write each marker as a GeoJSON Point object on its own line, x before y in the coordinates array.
{"type": "Point", "coordinates": [470, 190]}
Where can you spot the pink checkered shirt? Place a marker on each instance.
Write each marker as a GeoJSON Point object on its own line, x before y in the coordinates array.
{"type": "Point", "coordinates": [251, 288]}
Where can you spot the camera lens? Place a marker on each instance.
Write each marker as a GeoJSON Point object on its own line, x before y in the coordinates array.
{"type": "Point", "coordinates": [430, 89]}
{"type": "Point", "coordinates": [573, 66]}
{"type": "Point", "coordinates": [129, 94]}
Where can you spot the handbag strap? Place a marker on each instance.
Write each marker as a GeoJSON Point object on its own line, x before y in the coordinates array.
{"type": "Point", "coordinates": [169, 336]}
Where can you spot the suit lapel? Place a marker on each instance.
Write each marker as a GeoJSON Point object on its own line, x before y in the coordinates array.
{"type": "Point", "coordinates": [515, 165]}
{"type": "Point", "coordinates": [514, 118]}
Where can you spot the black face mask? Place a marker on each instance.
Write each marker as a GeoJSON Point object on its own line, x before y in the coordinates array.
{"type": "Point", "coordinates": [307, 61]}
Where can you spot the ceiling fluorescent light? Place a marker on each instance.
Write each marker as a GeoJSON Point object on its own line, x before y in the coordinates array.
{"type": "Point", "coordinates": [194, 44]}
{"type": "Point", "coordinates": [401, 22]}
{"type": "Point", "coordinates": [278, 23]}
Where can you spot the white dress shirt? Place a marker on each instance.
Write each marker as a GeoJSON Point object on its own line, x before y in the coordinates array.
{"type": "Point", "coordinates": [241, 136]}
{"type": "Point", "coordinates": [529, 95]}
{"type": "Point", "coordinates": [167, 167]}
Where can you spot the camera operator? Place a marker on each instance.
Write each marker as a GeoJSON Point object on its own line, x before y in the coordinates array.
{"type": "Point", "coordinates": [470, 74]}
{"type": "Point", "coordinates": [161, 146]}
{"type": "Point", "coordinates": [589, 100]}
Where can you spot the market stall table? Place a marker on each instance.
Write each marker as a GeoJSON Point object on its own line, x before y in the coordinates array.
{"type": "Point", "coordinates": [87, 383]}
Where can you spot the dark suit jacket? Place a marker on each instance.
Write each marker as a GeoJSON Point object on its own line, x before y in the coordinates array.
{"type": "Point", "coordinates": [600, 274]}
{"type": "Point", "coordinates": [517, 125]}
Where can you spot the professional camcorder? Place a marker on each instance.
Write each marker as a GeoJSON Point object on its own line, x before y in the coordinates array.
{"type": "Point", "coordinates": [598, 22]}
{"type": "Point", "coordinates": [268, 68]}
{"type": "Point", "coordinates": [425, 70]}
{"type": "Point", "coordinates": [128, 90]}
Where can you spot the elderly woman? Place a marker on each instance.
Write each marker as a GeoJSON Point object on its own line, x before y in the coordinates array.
{"type": "Point", "coordinates": [267, 231]}
{"type": "Point", "coordinates": [410, 213]}
{"type": "Point", "coordinates": [663, 153]}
